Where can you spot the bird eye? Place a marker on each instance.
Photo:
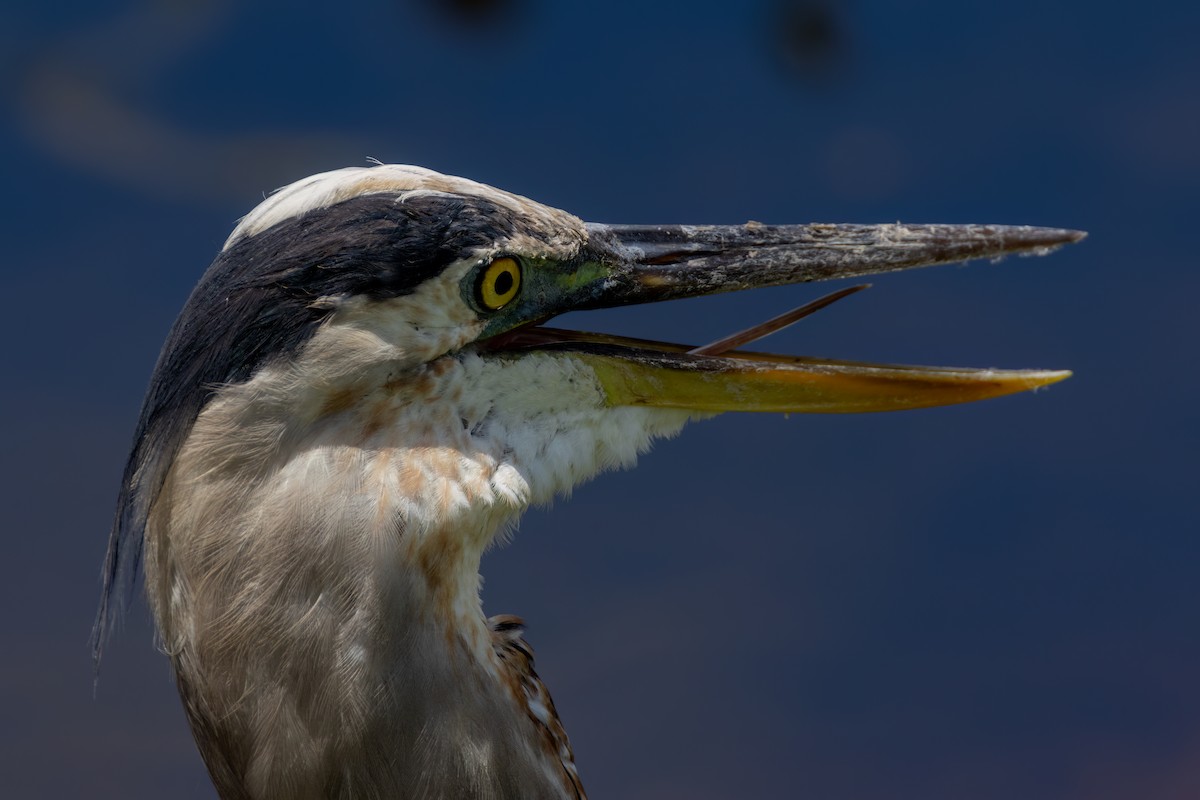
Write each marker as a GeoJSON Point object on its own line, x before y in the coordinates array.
{"type": "Point", "coordinates": [499, 283]}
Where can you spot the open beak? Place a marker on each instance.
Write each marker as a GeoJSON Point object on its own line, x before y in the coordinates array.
{"type": "Point", "coordinates": [627, 264]}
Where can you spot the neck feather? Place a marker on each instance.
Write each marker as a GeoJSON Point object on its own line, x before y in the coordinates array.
{"type": "Point", "coordinates": [313, 563]}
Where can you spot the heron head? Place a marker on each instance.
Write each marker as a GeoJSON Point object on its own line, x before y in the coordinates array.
{"type": "Point", "coordinates": [409, 307]}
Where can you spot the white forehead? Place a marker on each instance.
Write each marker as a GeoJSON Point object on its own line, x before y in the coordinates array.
{"type": "Point", "coordinates": [328, 188]}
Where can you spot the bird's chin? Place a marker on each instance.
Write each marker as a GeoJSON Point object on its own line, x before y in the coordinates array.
{"type": "Point", "coordinates": [640, 372]}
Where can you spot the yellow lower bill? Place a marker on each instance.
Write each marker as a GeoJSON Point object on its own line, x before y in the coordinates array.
{"type": "Point", "coordinates": [757, 382]}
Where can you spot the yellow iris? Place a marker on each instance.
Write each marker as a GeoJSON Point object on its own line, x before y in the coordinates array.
{"type": "Point", "coordinates": [499, 284]}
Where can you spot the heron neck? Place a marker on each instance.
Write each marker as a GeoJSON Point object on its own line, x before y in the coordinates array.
{"type": "Point", "coordinates": [313, 562]}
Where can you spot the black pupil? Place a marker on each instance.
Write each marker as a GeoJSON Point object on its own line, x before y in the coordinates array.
{"type": "Point", "coordinates": [504, 282]}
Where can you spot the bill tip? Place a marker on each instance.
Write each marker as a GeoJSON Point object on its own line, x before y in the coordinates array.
{"type": "Point", "coordinates": [1036, 379]}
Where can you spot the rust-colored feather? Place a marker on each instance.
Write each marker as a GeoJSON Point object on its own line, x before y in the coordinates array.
{"type": "Point", "coordinates": [517, 657]}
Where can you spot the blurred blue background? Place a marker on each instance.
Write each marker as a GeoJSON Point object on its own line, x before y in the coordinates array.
{"type": "Point", "coordinates": [990, 601]}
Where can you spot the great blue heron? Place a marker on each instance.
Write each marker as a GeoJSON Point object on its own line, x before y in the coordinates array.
{"type": "Point", "coordinates": [360, 393]}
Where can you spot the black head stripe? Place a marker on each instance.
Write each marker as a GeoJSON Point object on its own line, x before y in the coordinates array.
{"type": "Point", "coordinates": [255, 304]}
